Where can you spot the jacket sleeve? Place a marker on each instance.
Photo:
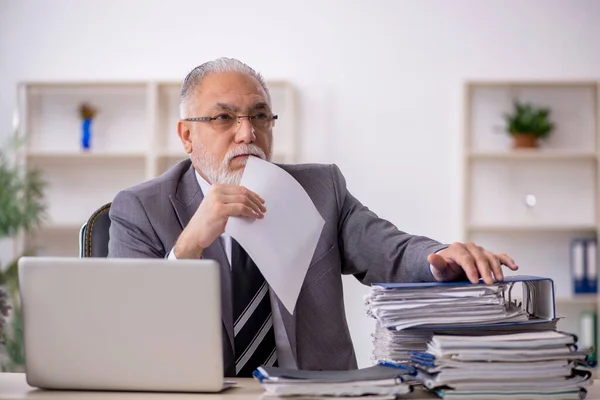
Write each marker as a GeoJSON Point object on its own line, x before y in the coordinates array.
{"type": "Point", "coordinates": [131, 233]}
{"type": "Point", "coordinates": [375, 250]}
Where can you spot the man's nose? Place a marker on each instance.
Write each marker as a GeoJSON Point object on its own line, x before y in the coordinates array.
{"type": "Point", "coordinates": [245, 132]}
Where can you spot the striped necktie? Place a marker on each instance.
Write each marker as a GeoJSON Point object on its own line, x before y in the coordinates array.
{"type": "Point", "coordinates": [254, 335]}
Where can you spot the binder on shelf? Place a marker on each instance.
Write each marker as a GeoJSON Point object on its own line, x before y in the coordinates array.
{"type": "Point", "coordinates": [591, 266]}
{"type": "Point", "coordinates": [578, 265]}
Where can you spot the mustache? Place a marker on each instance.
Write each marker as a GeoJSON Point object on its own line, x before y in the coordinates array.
{"type": "Point", "coordinates": [244, 149]}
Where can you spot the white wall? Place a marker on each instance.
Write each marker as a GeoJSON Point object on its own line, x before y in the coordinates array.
{"type": "Point", "coordinates": [379, 81]}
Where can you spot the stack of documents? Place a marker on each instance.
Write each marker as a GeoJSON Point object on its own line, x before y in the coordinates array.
{"type": "Point", "coordinates": [400, 307]}
{"type": "Point", "coordinates": [395, 346]}
{"type": "Point", "coordinates": [478, 340]}
{"type": "Point", "coordinates": [409, 314]}
{"type": "Point", "coordinates": [377, 382]}
{"type": "Point", "coordinates": [535, 364]}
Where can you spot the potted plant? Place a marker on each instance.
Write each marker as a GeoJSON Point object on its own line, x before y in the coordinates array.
{"type": "Point", "coordinates": [22, 209]}
{"type": "Point", "coordinates": [527, 124]}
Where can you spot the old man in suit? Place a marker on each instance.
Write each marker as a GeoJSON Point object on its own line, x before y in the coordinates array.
{"type": "Point", "coordinates": [226, 117]}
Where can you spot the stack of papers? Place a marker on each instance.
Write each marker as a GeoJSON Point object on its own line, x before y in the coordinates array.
{"type": "Point", "coordinates": [478, 340]}
{"type": "Point", "coordinates": [377, 382]}
{"type": "Point", "coordinates": [395, 346]}
{"type": "Point", "coordinates": [401, 308]}
{"type": "Point", "coordinates": [409, 314]}
{"type": "Point", "coordinates": [542, 364]}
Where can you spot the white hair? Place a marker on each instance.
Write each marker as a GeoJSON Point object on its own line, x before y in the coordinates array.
{"type": "Point", "coordinates": [223, 64]}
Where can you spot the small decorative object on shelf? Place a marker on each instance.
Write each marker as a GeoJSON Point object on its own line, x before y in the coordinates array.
{"type": "Point", "coordinates": [527, 124]}
{"type": "Point", "coordinates": [530, 200]}
{"type": "Point", "coordinates": [87, 113]}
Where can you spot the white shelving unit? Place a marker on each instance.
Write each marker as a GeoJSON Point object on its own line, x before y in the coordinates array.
{"type": "Point", "coordinates": [562, 175]}
{"type": "Point", "coordinates": [134, 138]}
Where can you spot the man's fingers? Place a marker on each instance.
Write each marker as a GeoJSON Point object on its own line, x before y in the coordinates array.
{"type": "Point", "coordinates": [437, 261]}
{"type": "Point", "coordinates": [482, 262]}
{"type": "Point", "coordinates": [255, 198]}
{"type": "Point", "coordinates": [467, 263]}
{"type": "Point", "coordinates": [228, 189]}
{"type": "Point", "coordinates": [476, 262]}
{"type": "Point", "coordinates": [235, 189]}
{"type": "Point", "coordinates": [496, 266]}
{"type": "Point", "coordinates": [229, 194]}
{"type": "Point", "coordinates": [240, 210]}
{"type": "Point", "coordinates": [248, 201]}
{"type": "Point", "coordinates": [441, 269]}
{"type": "Point", "coordinates": [509, 262]}
{"type": "Point", "coordinates": [258, 201]}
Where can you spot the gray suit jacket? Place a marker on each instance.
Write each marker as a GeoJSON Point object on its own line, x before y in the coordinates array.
{"type": "Point", "coordinates": [146, 221]}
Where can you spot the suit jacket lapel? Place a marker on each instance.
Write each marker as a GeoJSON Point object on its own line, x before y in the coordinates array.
{"type": "Point", "coordinates": [289, 322]}
{"type": "Point", "coordinates": [186, 200]}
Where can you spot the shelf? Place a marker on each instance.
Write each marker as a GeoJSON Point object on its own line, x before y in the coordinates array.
{"type": "Point", "coordinates": [533, 155]}
{"type": "Point", "coordinates": [532, 84]}
{"type": "Point", "coordinates": [532, 203]}
{"type": "Point", "coordinates": [60, 156]}
{"type": "Point", "coordinates": [53, 124]}
{"type": "Point", "coordinates": [134, 139]}
{"type": "Point", "coordinates": [85, 84]}
{"type": "Point", "coordinates": [59, 226]}
{"type": "Point", "coordinates": [578, 299]}
{"type": "Point", "coordinates": [531, 228]}
{"type": "Point", "coordinates": [181, 154]}
{"type": "Point", "coordinates": [54, 243]}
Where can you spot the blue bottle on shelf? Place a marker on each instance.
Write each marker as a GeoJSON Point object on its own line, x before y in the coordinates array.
{"type": "Point", "coordinates": [86, 134]}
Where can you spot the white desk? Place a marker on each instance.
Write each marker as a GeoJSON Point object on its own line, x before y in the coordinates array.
{"type": "Point", "coordinates": [14, 387]}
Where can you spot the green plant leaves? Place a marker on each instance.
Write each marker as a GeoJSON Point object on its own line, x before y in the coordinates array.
{"type": "Point", "coordinates": [21, 197]}
{"type": "Point", "coordinates": [12, 335]}
{"type": "Point", "coordinates": [22, 208]}
{"type": "Point", "coordinates": [529, 120]}
{"type": "Point", "coordinates": [13, 343]}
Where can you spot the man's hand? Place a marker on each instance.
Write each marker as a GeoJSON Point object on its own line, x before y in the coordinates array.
{"type": "Point", "coordinates": [209, 220]}
{"type": "Point", "coordinates": [474, 261]}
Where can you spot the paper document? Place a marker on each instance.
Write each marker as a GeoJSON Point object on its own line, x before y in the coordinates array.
{"type": "Point", "coordinates": [378, 380]}
{"type": "Point", "coordinates": [283, 243]}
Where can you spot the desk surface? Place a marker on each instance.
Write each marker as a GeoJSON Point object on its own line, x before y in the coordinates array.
{"type": "Point", "coordinates": [14, 387]}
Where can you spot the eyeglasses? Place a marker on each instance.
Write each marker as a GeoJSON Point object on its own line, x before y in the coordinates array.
{"type": "Point", "coordinates": [226, 121]}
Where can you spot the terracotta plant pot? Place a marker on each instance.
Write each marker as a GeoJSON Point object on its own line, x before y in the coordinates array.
{"type": "Point", "coordinates": [524, 141]}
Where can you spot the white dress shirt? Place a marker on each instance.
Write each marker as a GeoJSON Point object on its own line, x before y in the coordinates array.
{"type": "Point", "coordinates": [285, 358]}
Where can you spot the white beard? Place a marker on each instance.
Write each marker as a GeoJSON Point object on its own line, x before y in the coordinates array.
{"type": "Point", "coordinates": [219, 172]}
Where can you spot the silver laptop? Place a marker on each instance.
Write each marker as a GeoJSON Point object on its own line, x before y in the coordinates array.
{"type": "Point", "coordinates": [122, 324]}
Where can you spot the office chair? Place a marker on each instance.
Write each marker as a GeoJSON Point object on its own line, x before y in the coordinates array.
{"type": "Point", "coordinates": [93, 235]}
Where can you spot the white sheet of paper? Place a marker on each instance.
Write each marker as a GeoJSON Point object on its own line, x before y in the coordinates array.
{"type": "Point", "coordinates": [283, 243]}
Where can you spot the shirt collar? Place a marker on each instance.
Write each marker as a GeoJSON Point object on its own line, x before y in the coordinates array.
{"type": "Point", "coordinates": [204, 185]}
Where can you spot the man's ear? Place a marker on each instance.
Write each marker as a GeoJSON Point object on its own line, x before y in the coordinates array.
{"type": "Point", "coordinates": [183, 131]}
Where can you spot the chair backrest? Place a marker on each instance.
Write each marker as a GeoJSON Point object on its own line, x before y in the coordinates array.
{"type": "Point", "coordinates": [93, 236]}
